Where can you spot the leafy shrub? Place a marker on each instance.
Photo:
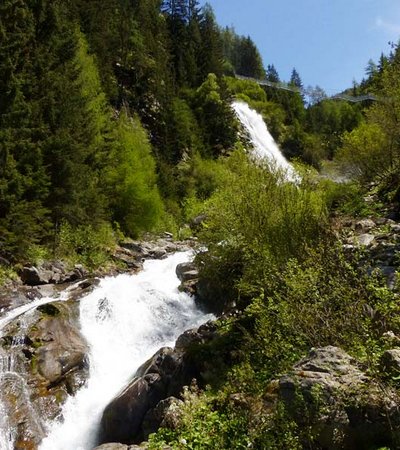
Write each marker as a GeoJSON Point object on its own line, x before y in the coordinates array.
{"type": "Point", "coordinates": [345, 198]}
{"type": "Point", "coordinates": [85, 244]}
{"type": "Point", "coordinates": [7, 274]}
{"type": "Point", "coordinates": [257, 221]}
{"type": "Point", "coordinates": [365, 152]}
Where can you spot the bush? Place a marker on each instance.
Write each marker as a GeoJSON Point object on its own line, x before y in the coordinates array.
{"type": "Point", "coordinates": [85, 244]}
{"type": "Point", "coordinates": [365, 153]}
{"type": "Point", "coordinates": [257, 221]}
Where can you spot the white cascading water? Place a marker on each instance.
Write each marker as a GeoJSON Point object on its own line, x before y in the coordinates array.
{"type": "Point", "coordinates": [264, 146]}
{"type": "Point", "coordinates": [125, 321]}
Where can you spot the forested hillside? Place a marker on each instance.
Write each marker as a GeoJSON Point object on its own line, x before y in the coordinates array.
{"type": "Point", "coordinates": [109, 115]}
{"type": "Point", "coordinates": [97, 98]}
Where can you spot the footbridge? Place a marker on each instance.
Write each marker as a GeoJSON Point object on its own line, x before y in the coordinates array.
{"type": "Point", "coordinates": [289, 87]}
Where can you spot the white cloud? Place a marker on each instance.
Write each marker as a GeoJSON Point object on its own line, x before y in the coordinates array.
{"type": "Point", "coordinates": [388, 27]}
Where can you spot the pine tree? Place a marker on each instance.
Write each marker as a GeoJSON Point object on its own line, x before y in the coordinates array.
{"type": "Point", "coordinates": [272, 74]}
{"type": "Point", "coordinates": [295, 79]}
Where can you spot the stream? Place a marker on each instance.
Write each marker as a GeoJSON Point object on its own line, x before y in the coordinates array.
{"type": "Point", "coordinates": [125, 320]}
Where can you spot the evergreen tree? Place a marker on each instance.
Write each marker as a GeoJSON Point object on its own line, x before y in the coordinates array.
{"type": "Point", "coordinates": [210, 52]}
{"type": "Point", "coordinates": [272, 74]}
{"type": "Point", "coordinates": [295, 79]}
{"type": "Point", "coordinates": [249, 62]}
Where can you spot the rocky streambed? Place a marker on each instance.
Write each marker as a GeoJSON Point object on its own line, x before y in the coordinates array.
{"type": "Point", "coordinates": [45, 356]}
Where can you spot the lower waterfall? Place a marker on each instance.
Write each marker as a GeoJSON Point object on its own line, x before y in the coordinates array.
{"type": "Point", "coordinates": [125, 320]}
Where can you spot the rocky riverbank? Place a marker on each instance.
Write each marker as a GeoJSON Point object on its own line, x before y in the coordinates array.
{"type": "Point", "coordinates": [43, 354]}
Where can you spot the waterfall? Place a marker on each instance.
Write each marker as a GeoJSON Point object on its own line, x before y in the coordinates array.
{"type": "Point", "coordinates": [125, 321]}
{"type": "Point", "coordinates": [264, 146]}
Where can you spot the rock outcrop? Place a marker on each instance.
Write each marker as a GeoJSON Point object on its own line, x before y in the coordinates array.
{"type": "Point", "coordinates": [151, 398]}
{"type": "Point", "coordinates": [46, 360]}
{"type": "Point", "coordinates": [379, 240]}
{"type": "Point", "coordinates": [51, 273]}
{"type": "Point", "coordinates": [330, 394]}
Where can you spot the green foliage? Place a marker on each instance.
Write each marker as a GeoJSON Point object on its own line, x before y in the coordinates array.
{"type": "Point", "coordinates": [365, 153]}
{"type": "Point", "coordinates": [7, 274]}
{"type": "Point", "coordinates": [215, 116]}
{"type": "Point", "coordinates": [258, 213]}
{"type": "Point", "coordinates": [130, 178]}
{"type": "Point", "coordinates": [85, 244]}
{"type": "Point", "coordinates": [347, 198]}
{"type": "Point", "coordinates": [241, 54]}
{"type": "Point", "coordinates": [329, 119]}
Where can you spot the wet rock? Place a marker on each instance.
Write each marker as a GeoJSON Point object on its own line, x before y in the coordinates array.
{"type": "Point", "coordinates": [113, 446]}
{"type": "Point", "coordinates": [62, 348]}
{"type": "Point", "coordinates": [76, 274]}
{"type": "Point", "coordinates": [186, 271]}
{"type": "Point", "coordinates": [131, 259]}
{"type": "Point", "coordinates": [122, 418]}
{"type": "Point", "coordinates": [139, 407]}
{"type": "Point", "coordinates": [329, 393]}
{"type": "Point", "coordinates": [136, 247]}
{"type": "Point", "coordinates": [159, 253]}
{"type": "Point", "coordinates": [48, 352]}
{"type": "Point", "coordinates": [22, 417]}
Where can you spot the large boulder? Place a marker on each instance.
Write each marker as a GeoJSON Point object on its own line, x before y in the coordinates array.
{"type": "Point", "coordinates": [186, 271]}
{"type": "Point", "coordinates": [329, 394]}
{"type": "Point", "coordinates": [48, 352]}
{"type": "Point", "coordinates": [51, 272]}
{"type": "Point", "coordinates": [166, 414]}
{"type": "Point", "coordinates": [150, 399]}
{"type": "Point", "coordinates": [62, 348]}
{"type": "Point", "coordinates": [33, 276]}
{"type": "Point", "coordinates": [122, 419]}
{"type": "Point", "coordinates": [390, 363]}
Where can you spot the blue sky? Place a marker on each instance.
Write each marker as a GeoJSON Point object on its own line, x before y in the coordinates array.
{"type": "Point", "coordinates": [328, 41]}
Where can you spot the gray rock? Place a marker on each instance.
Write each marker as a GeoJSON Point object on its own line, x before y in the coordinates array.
{"type": "Point", "coordinates": [364, 240]}
{"type": "Point", "coordinates": [33, 276]}
{"type": "Point", "coordinates": [395, 228]}
{"type": "Point", "coordinates": [390, 362]}
{"type": "Point", "coordinates": [329, 393]}
{"type": "Point", "coordinates": [22, 418]}
{"type": "Point", "coordinates": [158, 253]}
{"type": "Point", "coordinates": [198, 221]}
{"type": "Point", "coordinates": [76, 274]}
{"type": "Point", "coordinates": [131, 260]}
{"type": "Point", "coordinates": [122, 418]}
{"type": "Point", "coordinates": [166, 414]}
{"type": "Point", "coordinates": [113, 446]}
{"type": "Point", "coordinates": [62, 348]}
{"type": "Point", "coordinates": [136, 247]}
{"type": "Point", "coordinates": [365, 225]}
{"type": "Point", "coordinates": [137, 409]}
{"type": "Point", "coordinates": [186, 271]}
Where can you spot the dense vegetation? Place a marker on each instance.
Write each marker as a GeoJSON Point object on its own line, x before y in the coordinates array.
{"type": "Point", "coordinates": [115, 119]}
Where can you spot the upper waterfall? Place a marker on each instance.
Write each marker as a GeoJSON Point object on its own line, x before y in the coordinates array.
{"type": "Point", "coordinates": [264, 146]}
